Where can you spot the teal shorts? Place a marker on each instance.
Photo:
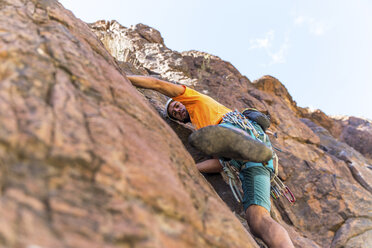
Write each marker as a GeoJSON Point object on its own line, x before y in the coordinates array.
{"type": "Point", "coordinates": [256, 187]}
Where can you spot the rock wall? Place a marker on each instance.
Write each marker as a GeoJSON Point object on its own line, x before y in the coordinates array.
{"type": "Point", "coordinates": [354, 131]}
{"type": "Point", "coordinates": [331, 180]}
{"type": "Point", "coordinates": [357, 133]}
{"type": "Point", "coordinates": [85, 160]}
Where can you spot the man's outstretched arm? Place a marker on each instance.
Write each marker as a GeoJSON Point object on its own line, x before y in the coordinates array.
{"type": "Point", "coordinates": [161, 86]}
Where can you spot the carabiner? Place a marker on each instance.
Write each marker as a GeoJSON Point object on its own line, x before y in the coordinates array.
{"type": "Point", "coordinates": [288, 193]}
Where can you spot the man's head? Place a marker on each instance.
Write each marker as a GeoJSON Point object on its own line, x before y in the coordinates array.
{"type": "Point", "coordinates": [177, 111]}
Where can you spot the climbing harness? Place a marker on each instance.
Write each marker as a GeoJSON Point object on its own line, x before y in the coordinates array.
{"type": "Point", "coordinates": [278, 188]}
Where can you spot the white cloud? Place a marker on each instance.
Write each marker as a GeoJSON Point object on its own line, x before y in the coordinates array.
{"type": "Point", "coordinates": [314, 26]}
{"type": "Point", "coordinates": [266, 43]}
{"type": "Point", "coordinates": [299, 20]}
{"type": "Point", "coordinates": [262, 43]}
{"type": "Point", "coordinates": [279, 57]}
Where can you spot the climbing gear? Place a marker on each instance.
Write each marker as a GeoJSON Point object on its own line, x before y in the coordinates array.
{"type": "Point", "coordinates": [228, 141]}
{"type": "Point", "coordinates": [233, 178]}
{"type": "Point", "coordinates": [271, 133]}
{"type": "Point", "coordinates": [278, 188]}
{"type": "Point", "coordinates": [239, 119]}
{"type": "Point", "coordinates": [258, 117]}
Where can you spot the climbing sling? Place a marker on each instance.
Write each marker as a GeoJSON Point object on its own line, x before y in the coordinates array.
{"type": "Point", "coordinates": [278, 188]}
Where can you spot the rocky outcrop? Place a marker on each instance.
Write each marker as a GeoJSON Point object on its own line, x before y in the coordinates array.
{"type": "Point", "coordinates": [356, 132]}
{"type": "Point", "coordinates": [85, 159]}
{"type": "Point", "coordinates": [330, 179]}
{"type": "Point", "coordinates": [321, 119]}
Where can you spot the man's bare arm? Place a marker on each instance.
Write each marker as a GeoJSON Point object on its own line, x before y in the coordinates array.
{"type": "Point", "coordinates": [161, 86]}
{"type": "Point", "coordinates": [210, 166]}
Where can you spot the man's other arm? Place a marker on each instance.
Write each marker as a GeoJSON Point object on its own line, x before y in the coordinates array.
{"type": "Point", "coordinates": [161, 86]}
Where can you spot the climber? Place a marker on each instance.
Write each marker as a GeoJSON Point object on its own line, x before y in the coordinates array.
{"type": "Point", "coordinates": [206, 114]}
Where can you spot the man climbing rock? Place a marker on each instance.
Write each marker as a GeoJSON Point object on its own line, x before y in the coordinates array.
{"type": "Point", "coordinates": [221, 138]}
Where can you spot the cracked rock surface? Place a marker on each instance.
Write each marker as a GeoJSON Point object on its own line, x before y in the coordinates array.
{"type": "Point", "coordinates": [85, 161]}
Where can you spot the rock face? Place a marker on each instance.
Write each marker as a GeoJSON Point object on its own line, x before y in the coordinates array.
{"type": "Point", "coordinates": [356, 132]}
{"type": "Point", "coordinates": [87, 160]}
{"type": "Point", "coordinates": [330, 178]}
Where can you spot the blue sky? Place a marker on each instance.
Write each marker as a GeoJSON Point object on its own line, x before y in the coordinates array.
{"type": "Point", "coordinates": [320, 50]}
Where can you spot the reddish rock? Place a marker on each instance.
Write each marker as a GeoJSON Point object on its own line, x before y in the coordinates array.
{"type": "Point", "coordinates": [273, 86]}
{"type": "Point", "coordinates": [85, 159]}
{"type": "Point", "coordinates": [321, 119]}
{"type": "Point", "coordinates": [356, 132]}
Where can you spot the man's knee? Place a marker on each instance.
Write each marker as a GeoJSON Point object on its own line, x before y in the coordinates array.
{"type": "Point", "coordinates": [257, 217]}
{"type": "Point", "coordinates": [262, 225]}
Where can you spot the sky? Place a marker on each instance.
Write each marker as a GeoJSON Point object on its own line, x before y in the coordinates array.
{"type": "Point", "coordinates": [321, 50]}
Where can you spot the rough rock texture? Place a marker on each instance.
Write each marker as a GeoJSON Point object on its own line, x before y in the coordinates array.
{"type": "Point", "coordinates": [330, 179]}
{"type": "Point", "coordinates": [321, 119]}
{"type": "Point", "coordinates": [356, 132]}
{"type": "Point", "coordinates": [354, 233]}
{"type": "Point", "coordinates": [85, 161]}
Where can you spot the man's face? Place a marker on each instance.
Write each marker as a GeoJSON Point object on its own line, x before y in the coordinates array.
{"type": "Point", "coordinates": [178, 111]}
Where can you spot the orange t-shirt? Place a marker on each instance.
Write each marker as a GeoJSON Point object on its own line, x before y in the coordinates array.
{"type": "Point", "coordinates": [203, 110]}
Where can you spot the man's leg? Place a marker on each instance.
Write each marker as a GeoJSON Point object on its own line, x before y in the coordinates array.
{"type": "Point", "coordinates": [264, 227]}
{"type": "Point", "coordinates": [256, 202]}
